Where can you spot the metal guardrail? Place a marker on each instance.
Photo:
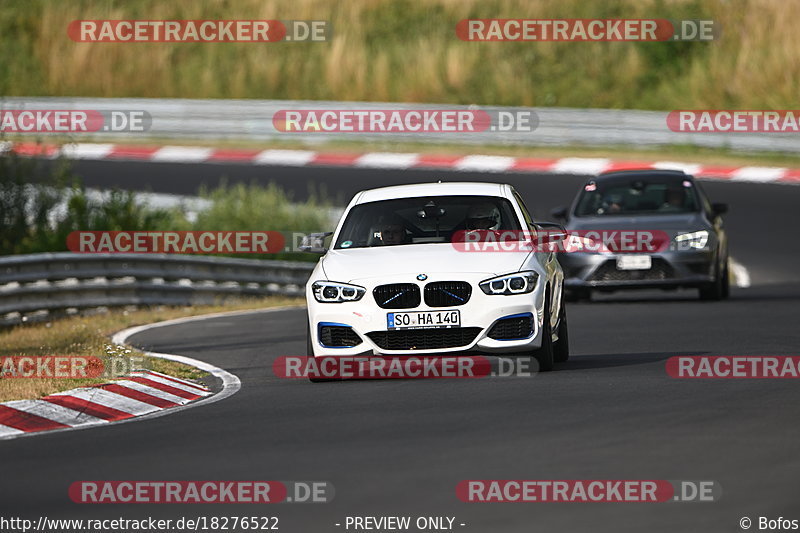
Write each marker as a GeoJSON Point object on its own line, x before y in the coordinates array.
{"type": "Point", "coordinates": [55, 283]}
{"type": "Point", "coordinates": [252, 120]}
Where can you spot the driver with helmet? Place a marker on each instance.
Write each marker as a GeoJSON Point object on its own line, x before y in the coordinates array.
{"type": "Point", "coordinates": [484, 216]}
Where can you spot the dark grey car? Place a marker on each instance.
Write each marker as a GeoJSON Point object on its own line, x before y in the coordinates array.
{"type": "Point", "coordinates": [692, 246]}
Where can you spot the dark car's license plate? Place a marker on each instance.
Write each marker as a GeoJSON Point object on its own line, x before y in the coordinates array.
{"type": "Point", "coordinates": [634, 262]}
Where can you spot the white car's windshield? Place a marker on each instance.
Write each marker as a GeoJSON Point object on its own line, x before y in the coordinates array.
{"type": "Point", "coordinates": [423, 220]}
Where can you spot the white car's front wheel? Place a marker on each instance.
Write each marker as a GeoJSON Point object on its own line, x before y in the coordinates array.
{"type": "Point", "coordinates": [561, 346]}
{"type": "Point", "coordinates": [544, 356]}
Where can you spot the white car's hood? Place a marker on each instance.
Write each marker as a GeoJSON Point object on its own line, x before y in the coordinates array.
{"type": "Point", "coordinates": [432, 258]}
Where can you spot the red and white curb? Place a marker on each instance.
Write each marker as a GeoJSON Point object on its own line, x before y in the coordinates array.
{"type": "Point", "coordinates": [142, 395]}
{"type": "Point", "coordinates": [392, 160]}
{"type": "Point", "coordinates": [139, 394]}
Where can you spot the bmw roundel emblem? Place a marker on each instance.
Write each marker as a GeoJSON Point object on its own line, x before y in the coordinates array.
{"type": "Point", "coordinates": [422, 277]}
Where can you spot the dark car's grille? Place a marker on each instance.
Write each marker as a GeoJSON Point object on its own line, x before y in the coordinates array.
{"type": "Point", "coordinates": [519, 327]}
{"type": "Point", "coordinates": [699, 268]}
{"type": "Point", "coordinates": [338, 336]}
{"type": "Point", "coordinates": [660, 270]}
{"type": "Point", "coordinates": [397, 296]}
{"type": "Point", "coordinates": [423, 339]}
{"type": "Point", "coordinates": [447, 293]}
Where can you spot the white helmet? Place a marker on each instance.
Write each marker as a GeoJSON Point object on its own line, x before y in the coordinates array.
{"type": "Point", "coordinates": [483, 216]}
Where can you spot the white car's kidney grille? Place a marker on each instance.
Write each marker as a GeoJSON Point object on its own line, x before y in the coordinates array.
{"type": "Point", "coordinates": [423, 339]}
{"type": "Point", "coordinates": [447, 293]}
{"type": "Point", "coordinates": [397, 296]}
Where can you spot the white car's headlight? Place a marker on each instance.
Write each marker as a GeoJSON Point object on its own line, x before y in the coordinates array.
{"type": "Point", "coordinates": [519, 283]}
{"type": "Point", "coordinates": [695, 239]}
{"type": "Point", "coordinates": [333, 292]}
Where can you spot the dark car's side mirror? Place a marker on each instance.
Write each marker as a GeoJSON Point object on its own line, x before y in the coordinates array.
{"type": "Point", "coordinates": [719, 209]}
{"type": "Point", "coordinates": [560, 213]}
{"type": "Point", "coordinates": [314, 242]}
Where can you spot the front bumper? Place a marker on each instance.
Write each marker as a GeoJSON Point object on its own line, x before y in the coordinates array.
{"type": "Point", "coordinates": [478, 315]}
{"type": "Point", "coordinates": [671, 269]}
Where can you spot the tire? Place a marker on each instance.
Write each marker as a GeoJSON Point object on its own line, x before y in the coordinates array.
{"type": "Point", "coordinates": [309, 344]}
{"type": "Point", "coordinates": [717, 289]}
{"type": "Point", "coordinates": [576, 295]}
{"type": "Point", "coordinates": [544, 355]}
{"type": "Point", "coordinates": [561, 347]}
{"type": "Point", "coordinates": [726, 282]}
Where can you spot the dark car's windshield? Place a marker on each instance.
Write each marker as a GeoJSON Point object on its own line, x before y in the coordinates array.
{"type": "Point", "coordinates": [423, 220]}
{"type": "Point", "coordinates": [637, 196]}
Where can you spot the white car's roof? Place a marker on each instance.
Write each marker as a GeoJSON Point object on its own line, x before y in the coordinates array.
{"type": "Point", "coordinates": [433, 189]}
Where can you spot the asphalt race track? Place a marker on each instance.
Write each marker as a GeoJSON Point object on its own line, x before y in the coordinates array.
{"type": "Point", "coordinates": [399, 447]}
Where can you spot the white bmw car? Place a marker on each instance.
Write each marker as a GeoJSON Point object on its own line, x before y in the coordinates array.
{"type": "Point", "coordinates": [394, 283]}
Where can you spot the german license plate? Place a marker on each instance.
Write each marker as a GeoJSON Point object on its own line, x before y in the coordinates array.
{"type": "Point", "coordinates": [634, 262]}
{"type": "Point", "coordinates": [423, 319]}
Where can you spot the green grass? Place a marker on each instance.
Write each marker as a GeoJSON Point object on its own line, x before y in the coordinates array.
{"type": "Point", "coordinates": [251, 207]}
{"type": "Point", "coordinates": [403, 50]}
{"type": "Point", "coordinates": [90, 336]}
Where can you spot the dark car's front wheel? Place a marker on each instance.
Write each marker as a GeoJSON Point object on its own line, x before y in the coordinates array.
{"type": "Point", "coordinates": [726, 280]}
{"type": "Point", "coordinates": [720, 287]}
{"type": "Point", "coordinates": [576, 295]}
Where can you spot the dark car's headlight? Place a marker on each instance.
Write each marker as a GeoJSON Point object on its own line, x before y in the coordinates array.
{"type": "Point", "coordinates": [519, 283]}
{"type": "Point", "coordinates": [695, 239]}
{"type": "Point", "coordinates": [332, 292]}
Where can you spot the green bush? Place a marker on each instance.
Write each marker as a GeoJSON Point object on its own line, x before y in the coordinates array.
{"type": "Point", "coordinates": [26, 206]}
{"type": "Point", "coordinates": [39, 209]}
{"type": "Point", "coordinates": [257, 208]}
